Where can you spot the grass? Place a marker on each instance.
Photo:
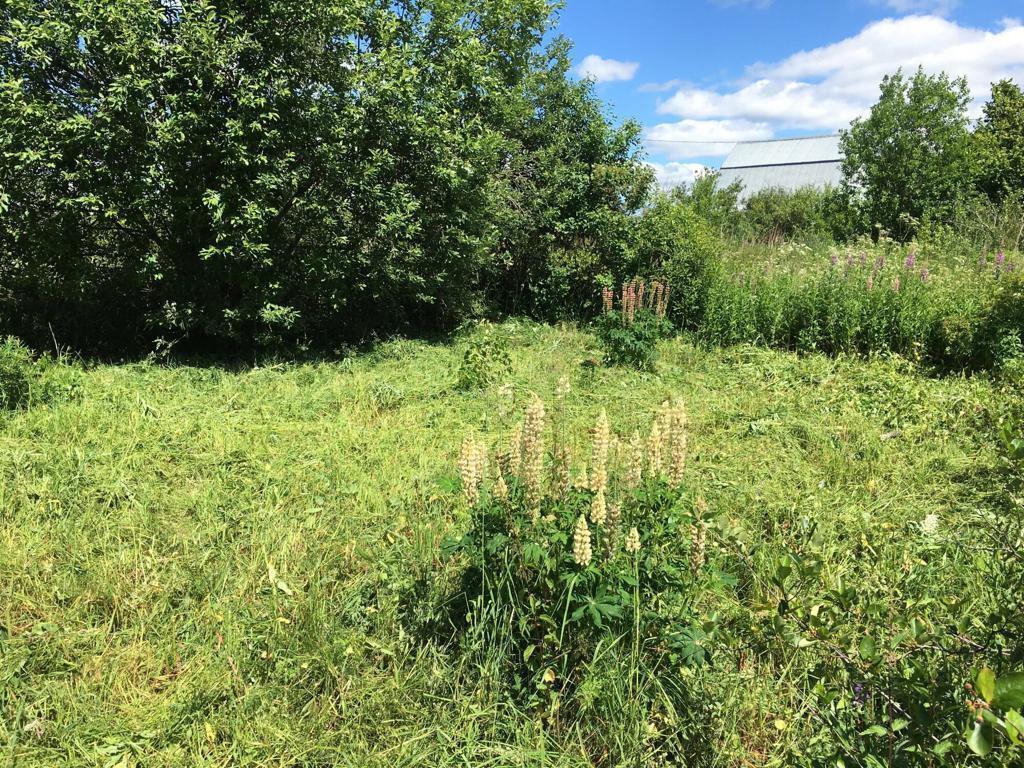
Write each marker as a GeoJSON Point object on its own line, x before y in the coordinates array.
{"type": "Point", "coordinates": [209, 566]}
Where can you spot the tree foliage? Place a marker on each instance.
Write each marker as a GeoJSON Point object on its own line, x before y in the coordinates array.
{"type": "Point", "coordinates": [910, 158]}
{"type": "Point", "coordinates": [226, 171]}
{"type": "Point", "coordinates": [999, 142]}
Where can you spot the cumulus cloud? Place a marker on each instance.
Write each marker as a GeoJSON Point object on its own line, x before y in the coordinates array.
{"type": "Point", "coordinates": [687, 139]}
{"type": "Point", "coordinates": [600, 70]}
{"type": "Point", "coordinates": [824, 88]}
{"type": "Point", "coordinates": [671, 175]}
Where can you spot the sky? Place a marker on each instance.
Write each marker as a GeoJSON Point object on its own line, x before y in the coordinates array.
{"type": "Point", "coordinates": [722, 71]}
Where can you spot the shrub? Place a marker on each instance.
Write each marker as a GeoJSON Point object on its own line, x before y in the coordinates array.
{"type": "Point", "coordinates": [629, 335]}
{"type": "Point", "coordinates": [566, 581]}
{"type": "Point", "coordinates": [17, 371]}
{"type": "Point", "coordinates": [673, 240]}
{"type": "Point", "coordinates": [485, 360]}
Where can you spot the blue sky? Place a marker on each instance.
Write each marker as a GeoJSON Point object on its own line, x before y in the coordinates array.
{"type": "Point", "coordinates": [730, 70]}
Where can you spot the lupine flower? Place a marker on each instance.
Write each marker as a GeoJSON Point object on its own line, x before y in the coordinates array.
{"type": "Point", "coordinates": [1000, 259]}
{"type": "Point", "coordinates": [633, 541]}
{"type": "Point", "coordinates": [598, 509]}
{"type": "Point", "coordinates": [533, 450]}
{"type": "Point", "coordinates": [612, 528]}
{"type": "Point", "coordinates": [677, 442]}
{"type": "Point", "coordinates": [560, 469]}
{"type": "Point", "coordinates": [501, 488]}
{"type": "Point", "coordinates": [599, 454]}
{"type": "Point", "coordinates": [581, 549]}
{"type": "Point", "coordinates": [472, 461]}
{"type": "Point", "coordinates": [871, 282]}
{"type": "Point", "coordinates": [635, 470]}
{"type": "Point", "coordinates": [562, 388]}
{"type": "Point", "coordinates": [863, 258]}
{"type": "Point", "coordinates": [655, 446]}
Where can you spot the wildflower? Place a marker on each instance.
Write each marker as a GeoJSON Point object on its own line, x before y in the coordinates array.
{"type": "Point", "coordinates": [505, 395]}
{"type": "Point", "coordinates": [515, 450]}
{"type": "Point", "coordinates": [632, 544]}
{"type": "Point", "coordinates": [698, 538]}
{"type": "Point", "coordinates": [896, 284]}
{"type": "Point", "coordinates": [599, 453]}
{"type": "Point", "coordinates": [635, 470]}
{"type": "Point", "coordinates": [677, 443]}
{"type": "Point", "coordinates": [1000, 259]}
{"type": "Point", "coordinates": [655, 444]}
{"type": "Point", "coordinates": [607, 300]}
{"type": "Point", "coordinates": [612, 528]}
{"type": "Point", "coordinates": [581, 549]}
{"type": "Point", "coordinates": [924, 274]}
{"type": "Point", "coordinates": [911, 260]}
{"type": "Point", "coordinates": [563, 388]}
{"type": "Point", "coordinates": [533, 450]}
{"type": "Point", "coordinates": [598, 509]}
{"type": "Point", "coordinates": [501, 488]}
{"type": "Point", "coordinates": [472, 459]}
{"type": "Point", "coordinates": [835, 258]}
{"type": "Point", "coordinates": [930, 524]}
{"type": "Point", "coordinates": [580, 482]}
{"type": "Point", "coordinates": [560, 469]}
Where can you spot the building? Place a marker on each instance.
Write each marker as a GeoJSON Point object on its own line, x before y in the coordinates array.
{"type": "Point", "coordinates": [813, 161]}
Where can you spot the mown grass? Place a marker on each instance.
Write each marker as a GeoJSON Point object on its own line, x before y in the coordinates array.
{"type": "Point", "coordinates": [208, 566]}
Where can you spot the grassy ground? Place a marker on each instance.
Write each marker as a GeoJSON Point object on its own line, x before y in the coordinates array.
{"type": "Point", "coordinates": [194, 561]}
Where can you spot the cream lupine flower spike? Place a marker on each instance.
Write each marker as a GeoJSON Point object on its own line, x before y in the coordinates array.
{"type": "Point", "coordinates": [633, 541]}
{"type": "Point", "coordinates": [598, 509]}
{"type": "Point", "coordinates": [599, 455]}
{"type": "Point", "coordinates": [581, 548]}
{"type": "Point", "coordinates": [533, 451]}
{"type": "Point", "coordinates": [677, 442]}
{"type": "Point", "coordinates": [472, 461]}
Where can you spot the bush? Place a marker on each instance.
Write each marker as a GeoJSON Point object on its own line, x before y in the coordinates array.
{"type": "Point", "coordinates": [485, 360]}
{"type": "Point", "coordinates": [629, 335]}
{"type": "Point", "coordinates": [674, 241]}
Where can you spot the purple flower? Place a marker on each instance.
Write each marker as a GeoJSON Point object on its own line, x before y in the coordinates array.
{"type": "Point", "coordinates": [1000, 259]}
{"type": "Point", "coordinates": [863, 258]}
{"type": "Point", "coordinates": [879, 263]}
{"type": "Point", "coordinates": [860, 695]}
{"type": "Point", "coordinates": [911, 259]}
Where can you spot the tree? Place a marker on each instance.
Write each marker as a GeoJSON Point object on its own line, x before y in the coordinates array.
{"type": "Point", "coordinates": [999, 140]}
{"type": "Point", "coordinates": [224, 171]}
{"type": "Point", "coordinates": [909, 159]}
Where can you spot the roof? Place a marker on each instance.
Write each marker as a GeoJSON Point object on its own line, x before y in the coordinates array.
{"type": "Point", "coordinates": [813, 161]}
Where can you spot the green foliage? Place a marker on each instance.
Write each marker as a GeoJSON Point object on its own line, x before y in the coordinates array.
{"type": "Point", "coordinates": [17, 370]}
{"type": "Point", "coordinates": [999, 142]}
{"type": "Point", "coordinates": [675, 241]}
{"type": "Point", "coordinates": [631, 343]}
{"type": "Point", "coordinates": [224, 174]}
{"type": "Point", "coordinates": [486, 359]}
{"type": "Point", "coordinates": [777, 215]}
{"type": "Point", "coordinates": [911, 157]}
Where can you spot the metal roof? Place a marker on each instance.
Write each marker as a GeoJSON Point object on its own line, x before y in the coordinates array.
{"type": "Point", "coordinates": [814, 161]}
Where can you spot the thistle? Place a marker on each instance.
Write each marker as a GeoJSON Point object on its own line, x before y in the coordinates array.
{"type": "Point", "coordinates": [581, 549]}
{"type": "Point", "coordinates": [599, 454]}
{"type": "Point", "coordinates": [632, 544]}
{"type": "Point", "coordinates": [598, 509]}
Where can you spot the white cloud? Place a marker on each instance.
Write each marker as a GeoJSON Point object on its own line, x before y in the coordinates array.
{"type": "Point", "coordinates": [920, 6]}
{"type": "Point", "coordinates": [593, 67]}
{"type": "Point", "coordinates": [659, 87]}
{"type": "Point", "coordinates": [689, 138]}
{"type": "Point", "coordinates": [671, 175]}
{"type": "Point", "coordinates": [824, 88]}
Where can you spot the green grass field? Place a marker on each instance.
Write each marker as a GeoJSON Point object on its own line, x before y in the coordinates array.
{"type": "Point", "coordinates": [210, 566]}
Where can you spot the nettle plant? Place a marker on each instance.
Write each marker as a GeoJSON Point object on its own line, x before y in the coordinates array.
{"type": "Point", "coordinates": [629, 334]}
{"type": "Point", "coordinates": [564, 571]}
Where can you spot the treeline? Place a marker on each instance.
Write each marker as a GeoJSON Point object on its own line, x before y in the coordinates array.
{"type": "Point", "coordinates": [915, 167]}
{"type": "Point", "coordinates": [229, 172]}
{"type": "Point", "coordinates": [215, 175]}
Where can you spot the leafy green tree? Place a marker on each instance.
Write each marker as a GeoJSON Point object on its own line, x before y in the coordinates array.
{"type": "Point", "coordinates": [910, 158]}
{"type": "Point", "coordinates": [227, 172]}
{"type": "Point", "coordinates": [999, 140]}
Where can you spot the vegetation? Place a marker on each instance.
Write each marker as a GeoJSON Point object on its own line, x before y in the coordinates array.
{"type": "Point", "coordinates": [206, 565]}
